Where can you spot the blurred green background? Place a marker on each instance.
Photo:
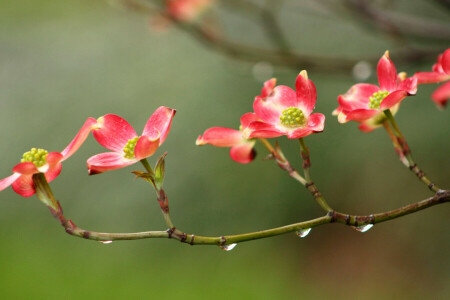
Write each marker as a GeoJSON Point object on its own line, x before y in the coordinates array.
{"type": "Point", "coordinates": [63, 61]}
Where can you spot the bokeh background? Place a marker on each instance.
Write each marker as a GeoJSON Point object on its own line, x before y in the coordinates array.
{"type": "Point", "coordinates": [63, 61]}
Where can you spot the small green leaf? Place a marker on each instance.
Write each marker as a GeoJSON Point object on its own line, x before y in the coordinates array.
{"type": "Point", "coordinates": [159, 171]}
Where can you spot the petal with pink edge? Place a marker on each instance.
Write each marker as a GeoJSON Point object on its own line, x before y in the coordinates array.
{"type": "Point", "coordinates": [409, 85]}
{"type": "Point", "coordinates": [266, 134]}
{"type": "Point", "coordinates": [158, 125]}
{"type": "Point", "coordinates": [79, 139]}
{"type": "Point", "coordinates": [106, 162]}
{"type": "Point", "coordinates": [316, 122]}
{"type": "Point", "coordinates": [243, 153]}
{"type": "Point", "coordinates": [392, 99]}
{"type": "Point", "coordinates": [298, 133]}
{"type": "Point", "coordinates": [306, 94]}
{"type": "Point", "coordinates": [113, 132]}
{"type": "Point", "coordinates": [53, 172]}
{"type": "Point", "coordinates": [5, 182]}
{"type": "Point", "coordinates": [357, 96]}
{"type": "Point", "coordinates": [269, 109]}
{"type": "Point", "coordinates": [445, 61]}
{"type": "Point", "coordinates": [387, 74]}
{"type": "Point", "coordinates": [145, 147]}
{"type": "Point", "coordinates": [248, 118]}
{"type": "Point", "coordinates": [441, 95]}
{"type": "Point", "coordinates": [25, 168]}
{"type": "Point", "coordinates": [361, 115]}
{"type": "Point", "coordinates": [366, 127]}
{"type": "Point", "coordinates": [24, 186]}
{"type": "Point", "coordinates": [220, 137]}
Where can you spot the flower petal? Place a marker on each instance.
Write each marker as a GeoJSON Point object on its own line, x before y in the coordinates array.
{"type": "Point", "coordinates": [300, 132]}
{"type": "Point", "coordinates": [387, 74]}
{"type": "Point", "coordinates": [430, 77]}
{"type": "Point", "coordinates": [113, 132]}
{"type": "Point", "coordinates": [145, 147]}
{"type": "Point", "coordinates": [264, 130]}
{"type": "Point", "coordinates": [269, 109]}
{"type": "Point", "coordinates": [247, 118]}
{"type": "Point", "coordinates": [360, 115]}
{"type": "Point", "coordinates": [357, 96]}
{"type": "Point", "coordinates": [5, 182]}
{"type": "Point", "coordinates": [409, 85]}
{"type": "Point", "coordinates": [316, 122]}
{"type": "Point", "coordinates": [106, 162]}
{"type": "Point", "coordinates": [243, 153]}
{"type": "Point", "coordinates": [268, 87]}
{"type": "Point", "coordinates": [158, 125]}
{"type": "Point", "coordinates": [79, 139]}
{"type": "Point", "coordinates": [366, 127]}
{"type": "Point", "coordinates": [25, 168]}
{"type": "Point", "coordinates": [54, 165]}
{"type": "Point", "coordinates": [441, 95]}
{"type": "Point", "coordinates": [392, 99]}
{"type": "Point", "coordinates": [24, 186]}
{"type": "Point", "coordinates": [445, 61]}
{"type": "Point", "coordinates": [306, 94]}
{"type": "Point", "coordinates": [220, 137]}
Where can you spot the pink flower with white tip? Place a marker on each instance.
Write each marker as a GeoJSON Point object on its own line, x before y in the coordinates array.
{"type": "Point", "coordinates": [365, 103]}
{"type": "Point", "coordinates": [41, 161]}
{"type": "Point", "coordinates": [241, 146]}
{"type": "Point", "coordinates": [441, 72]}
{"type": "Point", "coordinates": [284, 111]}
{"type": "Point", "coordinates": [187, 10]}
{"type": "Point", "coordinates": [116, 134]}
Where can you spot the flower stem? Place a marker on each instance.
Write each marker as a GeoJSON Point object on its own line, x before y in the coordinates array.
{"type": "Point", "coordinates": [45, 194]}
{"type": "Point", "coordinates": [310, 184]}
{"type": "Point", "coordinates": [402, 148]}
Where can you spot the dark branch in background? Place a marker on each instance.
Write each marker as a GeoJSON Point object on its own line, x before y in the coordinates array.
{"type": "Point", "coordinates": [396, 26]}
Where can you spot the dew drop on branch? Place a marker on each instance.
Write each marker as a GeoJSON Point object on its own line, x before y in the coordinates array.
{"type": "Point", "coordinates": [303, 232]}
{"type": "Point", "coordinates": [228, 247]}
{"type": "Point", "coordinates": [106, 242]}
{"type": "Point", "coordinates": [363, 228]}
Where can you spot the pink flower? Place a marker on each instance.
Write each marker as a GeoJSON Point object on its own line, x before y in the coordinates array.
{"type": "Point", "coordinates": [40, 161]}
{"type": "Point", "coordinates": [241, 146]}
{"type": "Point", "coordinates": [284, 111]}
{"type": "Point", "coordinates": [365, 102]}
{"type": "Point", "coordinates": [187, 10]}
{"type": "Point", "coordinates": [116, 134]}
{"type": "Point", "coordinates": [441, 72]}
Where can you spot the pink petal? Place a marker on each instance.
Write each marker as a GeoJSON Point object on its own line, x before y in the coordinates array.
{"type": "Point", "coordinates": [79, 139]}
{"type": "Point", "coordinates": [269, 109]}
{"type": "Point", "coordinates": [430, 77]}
{"type": "Point", "coordinates": [243, 153]}
{"type": "Point", "coordinates": [365, 127]}
{"type": "Point", "coordinates": [357, 96]}
{"type": "Point", "coordinates": [387, 74]}
{"type": "Point", "coordinates": [247, 118]}
{"type": "Point", "coordinates": [268, 87]}
{"type": "Point", "coordinates": [441, 95]}
{"type": "Point", "coordinates": [54, 165]}
{"type": "Point", "coordinates": [220, 137]}
{"type": "Point", "coordinates": [316, 122]}
{"type": "Point", "coordinates": [266, 134]}
{"type": "Point", "coordinates": [409, 85]}
{"type": "Point", "coordinates": [306, 94]}
{"type": "Point", "coordinates": [361, 115]}
{"type": "Point", "coordinates": [113, 132]}
{"type": "Point", "coordinates": [145, 147]}
{"type": "Point", "coordinates": [106, 162]}
{"type": "Point", "coordinates": [300, 132]}
{"type": "Point", "coordinates": [392, 99]}
{"type": "Point", "coordinates": [445, 61]}
{"type": "Point", "coordinates": [53, 172]}
{"type": "Point", "coordinates": [158, 125]}
{"type": "Point", "coordinates": [5, 182]}
{"type": "Point", "coordinates": [25, 168]}
{"type": "Point", "coordinates": [24, 186]}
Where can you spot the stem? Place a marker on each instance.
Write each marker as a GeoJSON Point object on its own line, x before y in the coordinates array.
{"type": "Point", "coordinates": [310, 184]}
{"type": "Point", "coordinates": [405, 153]}
{"type": "Point", "coordinates": [45, 194]}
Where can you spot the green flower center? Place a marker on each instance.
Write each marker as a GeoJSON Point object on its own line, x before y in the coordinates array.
{"type": "Point", "coordinates": [129, 148]}
{"type": "Point", "coordinates": [376, 98]}
{"type": "Point", "coordinates": [292, 117]}
{"type": "Point", "coordinates": [37, 156]}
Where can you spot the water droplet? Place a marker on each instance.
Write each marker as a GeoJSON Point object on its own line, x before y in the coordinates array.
{"type": "Point", "coordinates": [106, 242]}
{"type": "Point", "coordinates": [303, 232]}
{"type": "Point", "coordinates": [362, 71]}
{"type": "Point", "coordinates": [363, 228]}
{"type": "Point", "coordinates": [228, 247]}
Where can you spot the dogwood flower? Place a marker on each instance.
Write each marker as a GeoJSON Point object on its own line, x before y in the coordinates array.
{"type": "Point", "coordinates": [187, 10]}
{"type": "Point", "coordinates": [116, 134]}
{"type": "Point", "coordinates": [441, 72]}
{"type": "Point", "coordinates": [365, 102]}
{"type": "Point", "coordinates": [241, 146]}
{"type": "Point", "coordinates": [284, 111]}
{"type": "Point", "coordinates": [41, 161]}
